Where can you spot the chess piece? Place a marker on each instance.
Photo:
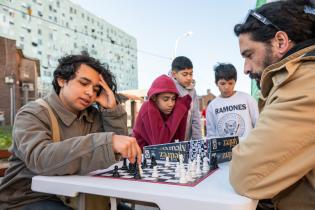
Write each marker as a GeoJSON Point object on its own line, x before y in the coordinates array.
{"type": "Point", "coordinates": [140, 170]}
{"type": "Point", "coordinates": [137, 174]}
{"type": "Point", "coordinates": [144, 163]}
{"type": "Point", "coordinates": [132, 168]}
{"type": "Point", "coordinates": [167, 162]}
{"type": "Point", "coordinates": [115, 172]}
{"type": "Point", "coordinates": [198, 170]}
{"type": "Point", "coordinates": [153, 162]}
{"type": "Point", "coordinates": [124, 167]}
{"type": "Point", "coordinates": [214, 162]}
{"type": "Point", "coordinates": [205, 165]}
{"type": "Point", "coordinates": [155, 173]}
{"type": "Point", "coordinates": [182, 179]}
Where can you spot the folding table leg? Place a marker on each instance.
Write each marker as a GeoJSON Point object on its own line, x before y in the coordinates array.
{"type": "Point", "coordinates": [113, 203]}
{"type": "Point", "coordinates": [81, 201]}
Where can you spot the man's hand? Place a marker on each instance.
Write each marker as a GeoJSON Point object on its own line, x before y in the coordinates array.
{"type": "Point", "coordinates": [106, 98]}
{"type": "Point", "coordinates": [127, 147]}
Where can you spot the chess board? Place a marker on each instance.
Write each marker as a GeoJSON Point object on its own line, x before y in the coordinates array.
{"type": "Point", "coordinates": [166, 175]}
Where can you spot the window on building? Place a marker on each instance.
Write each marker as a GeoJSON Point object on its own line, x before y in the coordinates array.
{"type": "Point", "coordinates": [50, 7]}
{"type": "Point", "coordinates": [39, 32]}
{"type": "Point", "coordinates": [40, 14]}
{"type": "Point", "coordinates": [40, 42]}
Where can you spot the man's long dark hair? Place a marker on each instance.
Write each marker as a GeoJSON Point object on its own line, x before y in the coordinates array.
{"type": "Point", "coordinates": [69, 65]}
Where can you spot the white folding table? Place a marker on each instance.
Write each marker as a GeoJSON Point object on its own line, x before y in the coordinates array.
{"type": "Point", "coordinates": [213, 193]}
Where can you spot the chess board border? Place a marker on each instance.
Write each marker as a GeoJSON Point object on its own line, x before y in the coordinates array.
{"type": "Point", "coordinates": [192, 184]}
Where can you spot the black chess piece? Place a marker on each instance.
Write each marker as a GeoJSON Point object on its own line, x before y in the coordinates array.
{"type": "Point", "coordinates": [124, 167]}
{"type": "Point", "coordinates": [213, 162]}
{"type": "Point", "coordinates": [132, 168]}
{"type": "Point", "coordinates": [115, 172]}
{"type": "Point", "coordinates": [137, 174]}
{"type": "Point", "coordinates": [153, 162]}
{"type": "Point", "coordinates": [144, 163]}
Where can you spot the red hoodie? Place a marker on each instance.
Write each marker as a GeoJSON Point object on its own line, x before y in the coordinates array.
{"type": "Point", "coordinates": [150, 127]}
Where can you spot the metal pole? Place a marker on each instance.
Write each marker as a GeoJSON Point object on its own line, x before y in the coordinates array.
{"type": "Point", "coordinates": [189, 33]}
{"type": "Point", "coordinates": [11, 105]}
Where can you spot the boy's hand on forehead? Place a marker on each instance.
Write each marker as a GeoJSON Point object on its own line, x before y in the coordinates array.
{"type": "Point", "coordinates": [106, 98]}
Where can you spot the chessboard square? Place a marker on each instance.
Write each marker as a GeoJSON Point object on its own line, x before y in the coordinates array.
{"type": "Point", "coordinates": [172, 180]}
{"type": "Point", "coordinates": [166, 177]}
{"type": "Point", "coordinates": [107, 175]}
{"type": "Point", "coordinates": [150, 179]}
{"type": "Point", "coordinates": [123, 173]}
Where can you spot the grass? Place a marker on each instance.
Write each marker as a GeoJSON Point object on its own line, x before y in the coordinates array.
{"type": "Point", "coordinates": [5, 137]}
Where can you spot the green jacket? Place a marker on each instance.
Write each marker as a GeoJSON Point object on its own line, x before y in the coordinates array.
{"type": "Point", "coordinates": [277, 159]}
{"type": "Point", "coordinates": [86, 145]}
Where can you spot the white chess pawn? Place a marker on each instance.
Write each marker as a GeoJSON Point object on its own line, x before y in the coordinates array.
{"type": "Point", "coordinates": [167, 162]}
{"type": "Point", "coordinates": [198, 170]}
{"type": "Point", "coordinates": [181, 159]}
{"type": "Point", "coordinates": [194, 175]}
{"type": "Point", "coordinates": [188, 176]}
{"type": "Point", "coordinates": [182, 179]}
{"type": "Point", "coordinates": [177, 167]}
{"type": "Point", "coordinates": [155, 173]}
{"type": "Point", "coordinates": [177, 173]}
{"type": "Point", "coordinates": [205, 165]}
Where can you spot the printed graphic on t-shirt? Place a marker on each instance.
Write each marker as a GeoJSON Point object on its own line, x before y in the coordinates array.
{"type": "Point", "coordinates": [231, 124]}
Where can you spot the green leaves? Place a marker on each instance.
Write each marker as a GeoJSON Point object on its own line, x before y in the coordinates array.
{"type": "Point", "coordinates": [5, 137]}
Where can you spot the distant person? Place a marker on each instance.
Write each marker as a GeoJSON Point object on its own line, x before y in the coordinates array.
{"type": "Point", "coordinates": [232, 113]}
{"type": "Point", "coordinates": [90, 137]}
{"type": "Point", "coordinates": [182, 74]}
{"type": "Point", "coordinates": [277, 159]}
{"type": "Point", "coordinates": [162, 119]}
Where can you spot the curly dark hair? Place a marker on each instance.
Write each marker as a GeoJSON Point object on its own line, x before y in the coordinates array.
{"type": "Point", "coordinates": [224, 71]}
{"type": "Point", "coordinates": [295, 17]}
{"type": "Point", "coordinates": [69, 65]}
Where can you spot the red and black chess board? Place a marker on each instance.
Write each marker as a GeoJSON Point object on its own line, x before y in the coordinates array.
{"type": "Point", "coordinates": [166, 175]}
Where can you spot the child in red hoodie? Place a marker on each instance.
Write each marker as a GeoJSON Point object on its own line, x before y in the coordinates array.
{"type": "Point", "coordinates": [162, 118]}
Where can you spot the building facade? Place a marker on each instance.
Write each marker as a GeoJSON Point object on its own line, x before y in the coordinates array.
{"type": "Point", "coordinates": [18, 80]}
{"type": "Point", "coordinates": [50, 29]}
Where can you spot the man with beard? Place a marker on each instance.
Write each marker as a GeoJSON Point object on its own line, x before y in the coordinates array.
{"type": "Point", "coordinates": [277, 159]}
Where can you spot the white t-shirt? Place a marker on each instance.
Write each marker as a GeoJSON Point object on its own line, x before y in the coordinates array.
{"type": "Point", "coordinates": [232, 116]}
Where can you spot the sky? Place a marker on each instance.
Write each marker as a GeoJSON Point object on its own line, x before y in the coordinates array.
{"type": "Point", "coordinates": [158, 24]}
